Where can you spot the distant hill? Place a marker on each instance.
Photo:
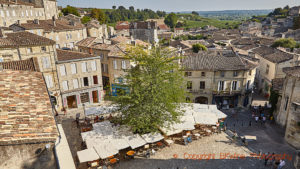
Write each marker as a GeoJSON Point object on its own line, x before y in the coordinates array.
{"type": "Point", "coordinates": [232, 14]}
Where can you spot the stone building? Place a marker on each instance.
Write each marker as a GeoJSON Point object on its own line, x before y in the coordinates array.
{"type": "Point", "coordinates": [94, 29]}
{"type": "Point", "coordinates": [12, 11]}
{"type": "Point", "coordinates": [65, 33]}
{"type": "Point", "coordinates": [271, 63]}
{"type": "Point", "coordinates": [289, 112]}
{"type": "Point", "coordinates": [27, 127]}
{"type": "Point", "coordinates": [253, 28]}
{"type": "Point", "coordinates": [25, 45]}
{"type": "Point", "coordinates": [80, 79]}
{"type": "Point", "coordinates": [219, 77]}
{"type": "Point", "coordinates": [294, 11]}
{"type": "Point", "coordinates": [145, 31]}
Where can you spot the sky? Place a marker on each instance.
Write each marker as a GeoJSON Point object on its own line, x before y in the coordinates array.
{"type": "Point", "coordinates": [183, 5]}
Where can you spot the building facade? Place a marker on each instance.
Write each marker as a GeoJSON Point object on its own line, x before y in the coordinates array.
{"type": "Point", "coordinates": [145, 31]}
{"type": "Point", "coordinates": [289, 112]}
{"type": "Point", "coordinates": [12, 11]}
{"type": "Point", "coordinates": [219, 77]}
{"type": "Point", "coordinates": [80, 79]}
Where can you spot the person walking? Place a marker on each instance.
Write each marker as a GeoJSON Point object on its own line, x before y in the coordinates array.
{"type": "Point", "coordinates": [264, 119]}
{"type": "Point", "coordinates": [267, 158]}
{"type": "Point", "coordinates": [281, 164]}
{"type": "Point", "coordinates": [256, 119]}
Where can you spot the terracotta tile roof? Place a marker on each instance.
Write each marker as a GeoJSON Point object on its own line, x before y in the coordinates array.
{"type": "Point", "coordinates": [116, 50]}
{"type": "Point", "coordinates": [25, 65]}
{"type": "Point", "coordinates": [26, 112]}
{"type": "Point", "coordinates": [24, 39]}
{"type": "Point", "coordinates": [86, 42]}
{"type": "Point", "coordinates": [163, 27]}
{"type": "Point", "coordinates": [120, 39]}
{"type": "Point", "coordinates": [277, 84]}
{"type": "Point", "coordinates": [48, 26]}
{"type": "Point", "coordinates": [292, 71]}
{"type": "Point", "coordinates": [122, 25]}
{"type": "Point", "coordinates": [66, 55]}
{"type": "Point", "coordinates": [272, 54]}
{"type": "Point", "coordinates": [215, 60]}
{"type": "Point", "coordinates": [242, 41]}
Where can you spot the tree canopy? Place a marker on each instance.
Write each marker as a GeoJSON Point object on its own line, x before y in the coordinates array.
{"type": "Point", "coordinates": [286, 43]}
{"type": "Point", "coordinates": [85, 19]}
{"type": "Point", "coordinates": [70, 10]}
{"type": "Point", "coordinates": [156, 84]}
{"type": "Point", "coordinates": [199, 47]}
{"type": "Point", "coordinates": [171, 20]}
{"type": "Point", "coordinates": [195, 13]}
{"type": "Point", "coordinates": [99, 15]}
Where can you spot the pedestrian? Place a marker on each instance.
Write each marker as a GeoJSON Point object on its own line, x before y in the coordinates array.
{"type": "Point", "coordinates": [281, 164]}
{"type": "Point", "coordinates": [250, 123]}
{"type": "Point", "coordinates": [264, 119]}
{"type": "Point", "coordinates": [267, 158]}
{"type": "Point", "coordinates": [256, 119]}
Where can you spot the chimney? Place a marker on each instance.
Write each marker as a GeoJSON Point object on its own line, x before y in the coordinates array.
{"type": "Point", "coordinates": [36, 21]}
{"type": "Point", "coordinates": [54, 22]}
{"type": "Point", "coordinates": [18, 22]}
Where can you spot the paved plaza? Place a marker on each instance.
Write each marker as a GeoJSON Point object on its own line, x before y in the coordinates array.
{"type": "Point", "coordinates": [269, 139]}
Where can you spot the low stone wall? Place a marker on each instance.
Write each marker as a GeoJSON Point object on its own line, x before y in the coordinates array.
{"type": "Point", "coordinates": [33, 156]}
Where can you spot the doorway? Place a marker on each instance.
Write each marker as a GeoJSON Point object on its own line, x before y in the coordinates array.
{"type": "Point", "coordinates": [72, 102]}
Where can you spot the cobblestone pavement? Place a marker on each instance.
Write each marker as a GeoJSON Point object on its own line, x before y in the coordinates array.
{"type": "Point", "coordinates": [269, 139]}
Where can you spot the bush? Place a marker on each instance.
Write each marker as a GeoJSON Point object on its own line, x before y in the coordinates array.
{"type": "Point", "coordinates": [197, 47]}
{"type": "Point", "coordinates": [286, 43]}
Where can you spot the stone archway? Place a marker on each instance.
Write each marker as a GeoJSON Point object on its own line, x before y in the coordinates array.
{"type": "Point", "coordinates": [201, 100]}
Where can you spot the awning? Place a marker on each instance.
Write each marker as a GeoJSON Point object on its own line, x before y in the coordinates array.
{"type": "Point", "coordinates": [105, 150]}
{"type": "Point", "coordinates": [152, 137]}
{"type": "Point", "coordinates": [214, 109]}
{"type": "Point", "coordinates": [87, 155]}
{"type": "Point", "coordinates": [206, 118]}
{"type": "Point", "coordinates": [135, 141]}
{"type": "Point", "coordinates": [259, 102]}
{"type": "Point", "coordinates": [100, 110]}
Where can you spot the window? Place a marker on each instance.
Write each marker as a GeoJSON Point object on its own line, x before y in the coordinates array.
{"type": "Point", "coordinates": [203, 74]}
{"type": "Point", "coordinates": [202, 85]}
{"type": "Point", "coordinates": [2, 13]}
{"type": "Point", "coordinates": [57, 46]}
{"type": "Point", "coordinates": [57, 38]}
{"type": "Point", "coordinates": [104, 68]}
{"type": "Point", "coordinates": [267, 69]}
{"type": "Point", "coordinates": [36, 14]}
{"type": "Point", "coordinates": [95, 79]}
{"type": "Point", "coordinates": [73, 68]}
{"type": "Point", "coordinates": [62, 69]}
{"type": "Point", "coordinates": [94, 65]}
{"type": "Point", "coordinates": [189, 85]}
{"type": "Point", "coordinates": [84, 97]}
{"type": "Point", "coordinates": [46, 62]}
{"type": "Point", "coordinates": [70, 36]}
{"type": "Point", "coordinates": [221, 86]}
{"type": "Point", "coordinates": [26, 13]}
{"type": "Point", "coordinates": [286, 103]}
{"type": "Point", "coordinates": [78, 35]}
{"type": "Point", "coordinates": [235, 73]}
{"type": "Point", "coordinates": [188, 74]}
{"type": "Point", "coordinates": [85, 81]}
{"type": "Point", "coordinates": [67, 36]}
{"type": "Point", "coordinates": [31, 13]}
{"type": "Point", "coordinates": [43, 48]}
{"type": "Point", "coordinates": [222, 74]}
{"type": "Point", "coordinates": [83, 67]}
{"type": "Point", "coordinates": [65, 85]}
{"type": "Point", "coordinates": [248, 85]}
{"type": "Point", "coordinates": [115, 64]}
{"type": "Point", "coordinates": [234, 85]}
{"type": "Point", "coordinates": [22, 14]}
{"type": "Point", "coordinates": [123, 64]}
{"type": "Point", "coordinates": [49, 81]}
{"type": "Point", "coordinates": [250, 72]}
{"type": "Point", "coordinates": [75, 83]}
{"type": "Point", "coordinates": [29, 50]}
{"type": "Point", "coordinates": [14, 13]}
{"type": "Point", "coordinates": [7, 13]}
{"type": "Point", "coordinates": [39, 32]}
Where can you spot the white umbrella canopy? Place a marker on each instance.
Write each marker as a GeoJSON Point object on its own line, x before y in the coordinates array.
{"type": "Point", "coordinates": [214, 109]}
{"type": "Point", "coordinates": [206, 118]}
{"type": "Point", "coordinates": [152, 137]}
{"type": "Point", "coordinates": [105, 150]}
{"type": "Point", "coordinates": [87, 155]}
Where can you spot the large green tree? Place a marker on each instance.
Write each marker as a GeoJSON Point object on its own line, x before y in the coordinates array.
{"type": "Point", "coordinates": [99, 15]}
{"type": "Point", "coordinates": [198, 47]}
{"type": "Point", "coordinates": [171, 20]}
{"type": "Point", "coordinates": [156, 84]}
{"type": "Point", "coordinates": [70, 10]}
{"type": "Point", "coordinates": [286, 43]}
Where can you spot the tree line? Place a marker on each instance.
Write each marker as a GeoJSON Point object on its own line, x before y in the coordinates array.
{"type": "Point", "coordinates": [115, 14]}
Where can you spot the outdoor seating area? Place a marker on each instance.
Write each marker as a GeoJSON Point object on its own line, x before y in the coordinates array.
{"type": "Point", "coordinates": [105, 143]}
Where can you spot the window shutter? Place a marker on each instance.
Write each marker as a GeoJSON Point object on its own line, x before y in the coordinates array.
{"type": "Point", "coordinates": [75, 83]}
{"type": "Point", "coordinates": [115, 64]}
{"type": "Point", "coordinates": [237, 85]}
{"type": "Point", "coordinates": [62, 70]}
{"type": "Point", "coordinates": [224, 88]}
{"type": "Point", "coordinates": [219, 85]}
{"type": "Point", "coordinates": [50, 82]}
{"type": "Point", "coordinates": [123, 64]}
{"type": "Point", "coordinates": [73, 68]}
{"type": "Point", "coordinates": [93, 64]}
{"type": "Point", "coordinates": [83, 65]}
{"type": "Point", "coordinates": [232, 86]}
{"type": "Point", "coordinates": [65, 85]}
